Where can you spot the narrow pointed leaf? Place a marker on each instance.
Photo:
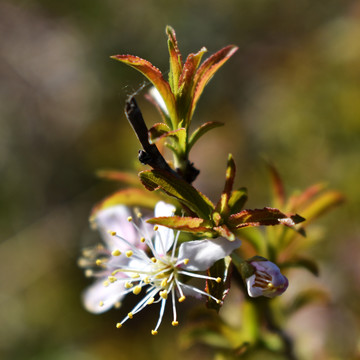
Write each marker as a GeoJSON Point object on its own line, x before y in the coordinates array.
{"type": "Point", "coordinates": [178, 188]}
{"type": "Point", "coordinates": [201, 130]}
{"type": "Point", "coordinates": [128, 197]}
{"type": "Point", "coordinates": [183, 223]}
{"type": "Point", "coordinates": [237, 200]}
{"type": "Point", "coordinates": [258, 217]}
{"type": "Point", "coordinates": [225, 232]}
{"type": "Point", "coordinates": [277, 186]}
{"type": "Point", "coordinates": [154, 75]}
{"type": "Point", "coordinates": [207, 71]}
{"type": "Point", "coordinates": [175, 59]}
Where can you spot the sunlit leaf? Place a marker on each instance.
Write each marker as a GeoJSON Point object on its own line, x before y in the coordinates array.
{"type": "Point", "coordinates": [155, 76]}
{"type": "Point", "coordinates": [265, 216]}
{"type": "Point", "coordinates": [157, 131]}
{"type": "Point", "coordinates": [183, 223]}
{"type": "Point", "coordinates": [175, 59]}
{"type": "Point", "coordinates": [237, 200]}
{"type": "Point", "coordinates": [207, 71]}
{"type": "Point", "coordinates": [201, 130]}
{"type": "Point", "coordinates": [178, 188]}
{"type": "Point", "coordinates": [121, 176]}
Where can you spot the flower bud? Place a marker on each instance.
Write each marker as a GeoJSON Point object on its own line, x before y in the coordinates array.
{"type": "Point", "coordinates": [263, 278]}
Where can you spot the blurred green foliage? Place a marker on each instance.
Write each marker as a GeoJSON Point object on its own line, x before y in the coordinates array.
{"type": "Point", "coordinates": [290, 95]}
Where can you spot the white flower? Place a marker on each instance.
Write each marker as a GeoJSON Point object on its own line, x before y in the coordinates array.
{"type": "Point", "coordinates": [266, 280]}
{"type": "Point", "coordinates": [159, 275]}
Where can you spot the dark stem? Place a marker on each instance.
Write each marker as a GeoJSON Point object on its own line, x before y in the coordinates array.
{"type": "Point", "coordinates": [150, 155]}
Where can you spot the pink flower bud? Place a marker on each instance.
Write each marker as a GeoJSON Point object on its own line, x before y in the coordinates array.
{"type": "Point", "coordinates": [266, 280]}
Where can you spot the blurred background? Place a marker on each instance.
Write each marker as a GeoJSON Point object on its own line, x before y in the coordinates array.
{"type": "Point", "coordinates": [291, 94]}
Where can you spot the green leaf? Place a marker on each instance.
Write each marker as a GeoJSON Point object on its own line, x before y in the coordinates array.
{"type": "Point", "coordinates": [221, 269]}
{"type": "Point", "coordinates": [175, 59]}
{"type": "Point", "coordinates": [222, 207]}
{"type": "Point", "coordinates": [237, 200]}
{"type": "Point", "coordinates": [183, 223]}
{"type": "Point", "coordinates": [157, 131]}
{"type": "Point", "coordinates": [265, 216]}
{"type": "Point", "coordinates": [155, 76]}
{"type": "Point", "coordinates": [207, 71]}
{"type": "Point", "coordinates": [128, 197]}
{"type": "Point", "coordinates": [180, 189]}
{"type": "Point", "coordinates": [201, 130]}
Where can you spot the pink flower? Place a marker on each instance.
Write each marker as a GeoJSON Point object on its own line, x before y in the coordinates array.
{"type": "Point", "coordinates": [266, 279]}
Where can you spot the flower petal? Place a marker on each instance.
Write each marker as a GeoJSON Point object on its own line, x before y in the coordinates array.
{"type": "Point", "coordinates": [164, 237]}
{"type": "Point", "coordinates": [115, 219]}
{"type": "Point", "coordinates": [97, 298]}
{"type": "Point", "coordinates": [204, 253]}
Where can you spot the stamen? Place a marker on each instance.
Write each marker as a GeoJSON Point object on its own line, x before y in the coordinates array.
{"type": "Point", "coordinates": [151, 301]}
{"type": "Point", "coordinates": [112, 233]}
{"type": "Point", "coordinates": [142, 239]}
{"type": "Point", "coordinates": [164, 283]}
{"type": "Point", "coordinates": [117, 305]}
{"type": "Point", "coordinates": [163, 294]}
{"type": "Point", "coordinates": [137, 290]}
{"type": "Point", "coordinates": [106, 283]}
{"type": "Point", "coordinates": [186, 261]}
{"type": "Point", "coordinates": [112, 279]}
{"type": "Point", "coordinates": [101, 303]}
{"type": "Point", "coordinates": [156, 228]}
{"type": "Point", "coordinates": [130, 315]}
{"type": "Point", "coordinates": [128, 285]}
{"type": "Point", "coordinates": [154, 332]}
{"type": "Point", "coordinates": [118, 325]}
{"type": "Point", "coordinates": [116, 252]}
{"type": "Point", "coordinates": [218, 279]}
{"type": "Point", "coordinates": [98, 262]}
{"type": "Point", "coordinates": [181, 298]}
{"type": "Point", "coordinates": [174, 323]}
{"type": "Point", "coordinates": [129, 253]}
{"type": "Point", "coordinates": [129, 219]}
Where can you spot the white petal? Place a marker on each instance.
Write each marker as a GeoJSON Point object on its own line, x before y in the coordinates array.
{"type": "Point", "coordinates": [98, 294]}
{"type": "Point", "coordinates": [164, 237]}
{"type": "Point", "coordinates": [253, 291]}
{"type": "Point", "coordinates": [202, 254]}
{"type": "Point", "coordinates": [115, 218]}
{"type": "Point", "coordinates": [154, 93]}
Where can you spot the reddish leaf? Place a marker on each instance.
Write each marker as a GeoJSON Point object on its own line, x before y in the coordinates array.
{"type": "Point", "coordinates": [278, 186]}
{"type": "Point", "coordinates": [265, 216]}
{"type": "Point", "coordinates": [154, 75]}
{"type": "Point", "coordinates": [208, 69]}
{"type": "Point", "coordinates": [188, 224]}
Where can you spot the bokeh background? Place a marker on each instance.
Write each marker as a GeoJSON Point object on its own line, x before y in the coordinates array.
{"type": "Point", "coordinates": [291, 94]}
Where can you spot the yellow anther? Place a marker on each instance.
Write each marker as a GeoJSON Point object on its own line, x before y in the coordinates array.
{"type": "Point", "coordinates": [117, 305]}
{"type": "Point", "coordinates": [116, 252]}
{"type": "Point", "coordinates": [175, 323]}
{"type": "Point", "coordinates": [156, 228]}
{"type": "Point", "coordinates": [154, 332]}
{"type": "Point", "coordinates": [137, 290]}
{"type": "Point", "coordinates": [112, 279]}
{"type": "Point", "coordinates": [128, 285]}
{"type": "Point", "coordinates": [130, 315]}
{"type": "Point", "coordinates": [98, 262]}
{"type": "Point", "coordinates": [218, 280]}
{"type": "Point", "coordinates": [129, 253]}
{"type": "Point", "coordinates": [106, 283]}
{"type": "Point", "coordinates": [142, 239]}
{"type": "Point", "coordinates": [89, 273]}
{"type": "Point", "coordinates": [270, 285]}
{"type": "Point", "coordinates": [218, 301]}
{"type": "Point", "coordinates": [118, 325]}
{"type": "Point", "coordinates": [112, 233]}
{"type": "Point", "coordinates": [163, 294]}
{"type": "Point", "coordinates": [139, 214]}
{"type": "Point", "coordinates": [129, 219]}
{"type": "Point", "coordinates": [135, 276]}
{"type": "Point", "coordinates": [164, 283]}
{"type": "Point", "coordinates": [101, 303]}
{"type": "Point", "coordinates": [150, 301]}
{"type": "Point", "coordinates": [153, 260]}
{"type": "Point", "coordinates": [186, 261]}
{"type": "Point", "coordinates": [146, 280]}
{"type": "Point", "coordinates": [182, 298]}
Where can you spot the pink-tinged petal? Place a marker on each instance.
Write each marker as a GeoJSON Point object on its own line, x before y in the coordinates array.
{"type": "Point", "coordinates": [98, 298]}
{"type": "Point", "coordinates": [164, 237]}
{"type": "Point", "coordinates": [154, 75]}
{"type": "Point", "coordinates": [204, 253]}
{"type": "Point", "coordinates": [115, 219]}
{"type": "Point", "coordinates": [267, 280]}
